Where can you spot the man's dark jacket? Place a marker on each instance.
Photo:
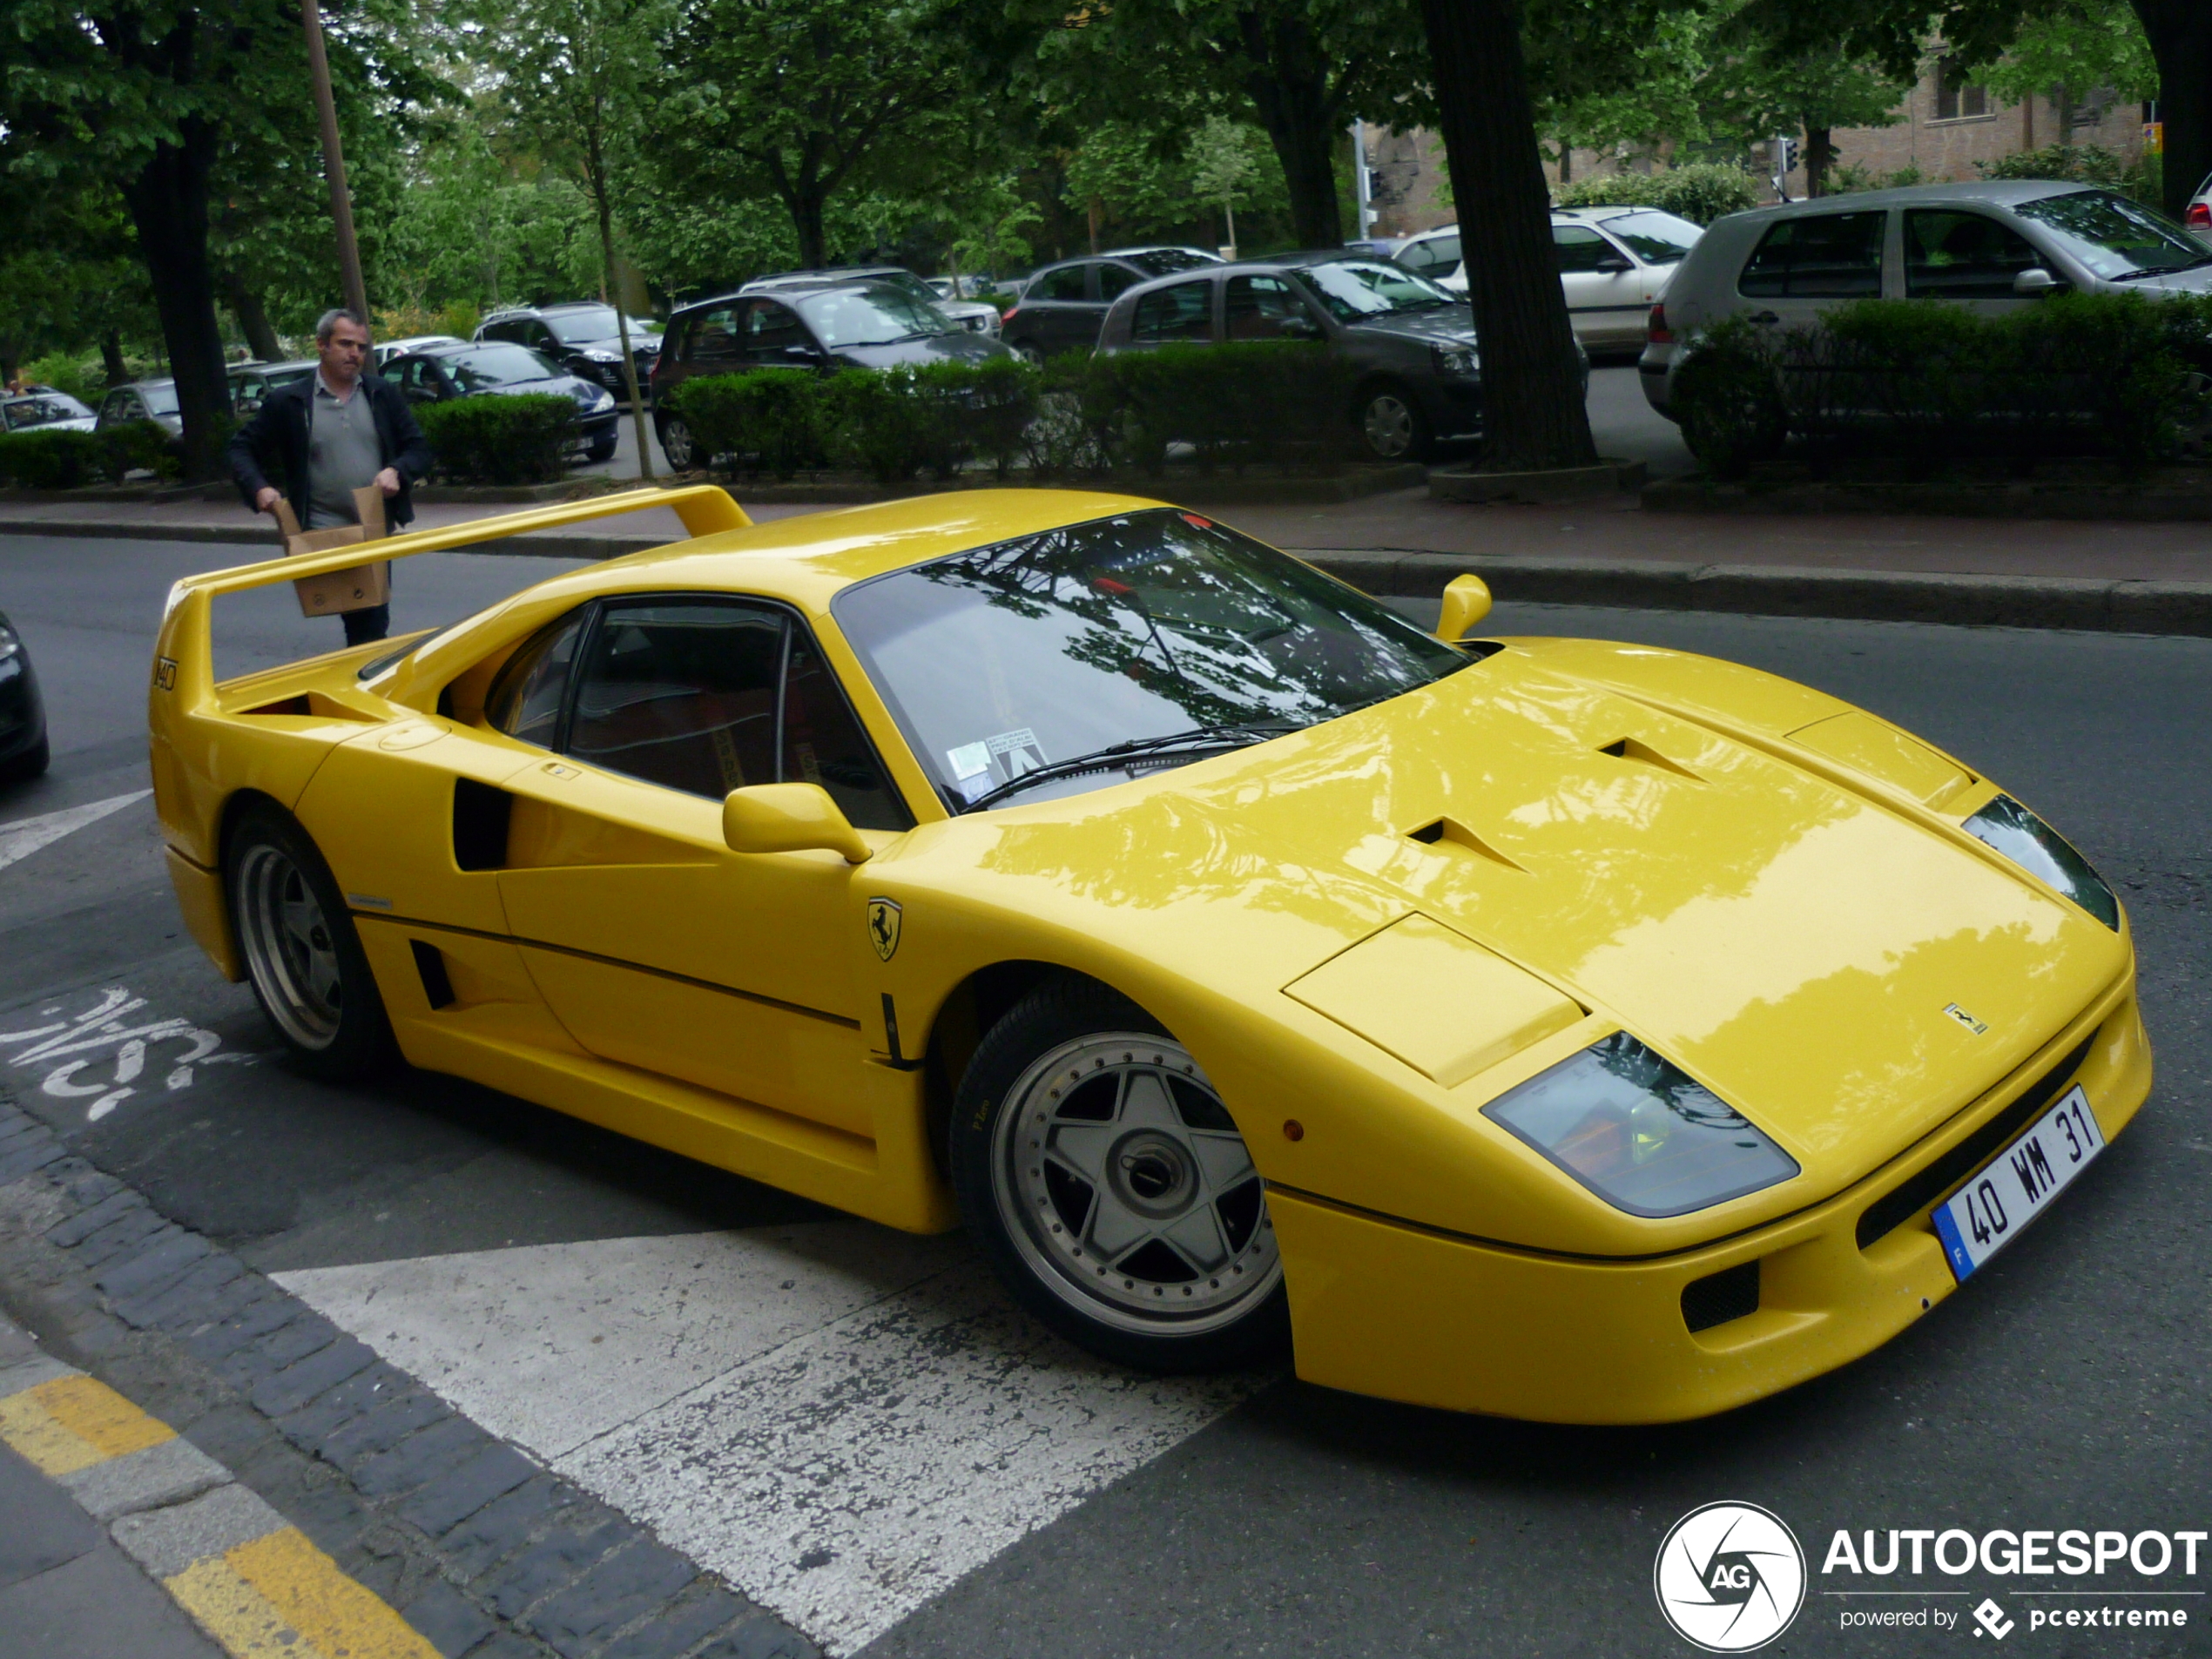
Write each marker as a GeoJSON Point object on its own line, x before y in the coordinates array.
{"type": "Point", "coordinates": [272, 449]}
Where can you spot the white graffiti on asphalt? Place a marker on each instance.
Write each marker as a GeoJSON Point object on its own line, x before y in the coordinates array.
{"type": "Point", "coordinates": [105, 1026]}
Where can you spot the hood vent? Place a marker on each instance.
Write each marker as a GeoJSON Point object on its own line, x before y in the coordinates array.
{"type": "Point", "coordinates": [1449, 832]}
{"type": "Point", "coordinates": [1630, 749]}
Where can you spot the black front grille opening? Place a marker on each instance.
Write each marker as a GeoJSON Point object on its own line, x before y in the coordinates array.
{"type": "Point", "coordinates": [1898, 1205]}
{"type": "Point", "coordinates": [430, 963]}
{"type": "Point", "coordinates": [1428, 835]}
{"type": "Point", "coordinates": [1718, 1298]}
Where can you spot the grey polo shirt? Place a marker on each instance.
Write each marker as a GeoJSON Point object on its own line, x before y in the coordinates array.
{"type": "Point", "coordinates": [343, 454]}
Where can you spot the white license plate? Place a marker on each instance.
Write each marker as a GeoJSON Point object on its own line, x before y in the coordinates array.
{"type": "Point", "coordinates": [2012, 1189]}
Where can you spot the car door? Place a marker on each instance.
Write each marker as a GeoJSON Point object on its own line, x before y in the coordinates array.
{"type": "Point", "coordinates": [1806, 263]}
{"type": "Point", "coordinates": [655, 945]}
{"type": "Point", "coordinates": [1066, 314]}
{"type": "Point", "coordinates": [1265, 307]}
{"type": "Point", "coordinates": [1968, 258]}
{"type": "Point", "coordinates": [773, 337]}
{"type": "Point", "coordinates": [1608, 299]}
{"type": "Point", "coordinates": [1180, 314]}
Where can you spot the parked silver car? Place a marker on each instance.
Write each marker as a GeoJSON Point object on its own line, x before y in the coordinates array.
{"type": "Point", "coordinates": [977, 316]}
{"type": "Point", "coordinates": [1614, 262]}
{"type": "Point", "coordinates": [1995, 246]}
{"type": "Point", "coordinates": [252, 382]}
{"type": "Point", "coordinates": [154, 401]}
{"type": "Point", "coordinates": [43, 409]}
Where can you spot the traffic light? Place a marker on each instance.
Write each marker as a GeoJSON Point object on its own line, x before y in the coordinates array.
{"type": "Point", "coordinates": [1785, 155]}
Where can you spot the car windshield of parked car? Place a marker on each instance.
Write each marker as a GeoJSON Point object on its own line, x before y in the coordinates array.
{"type": "Point", "coordinates": [1654, 237]}
{"type": "Point", "coordinates": [589, 323]}
{"type": "Point", "coordinates": [160, 396]}
{"type": "Point", "coordinates": [489, 366]}
{"type": "Point", "coordinates": [1165, 262]}
{"type": "Point", "coordinates": [1130, 642]}
{"type": "Point", "coordinates": [44, 410]}
{"type": "Point", "coordinates": [876, 315]}
{"type": "Point", "coordinates": [1361, 290]}
{"type": "Point", "coordinates": [2119, 241]}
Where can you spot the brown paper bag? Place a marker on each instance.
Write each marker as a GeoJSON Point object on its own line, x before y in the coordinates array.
{"type": "Point", "coordinates": [356, 589]}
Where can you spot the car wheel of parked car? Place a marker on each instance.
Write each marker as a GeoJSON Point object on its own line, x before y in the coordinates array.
{"type": "Point", "coordinates": [1028, 352]}
{"type": "Point", "coordinates": [31, 763]}
{"type": "Point", "coordinates": [604, 448]}
{"type": "Point", "coordinates": [1111, 1189]}
{"type": "Point", "coordinates": [302, 953]}
{"type": "Point", "coordinates": [1392, 424]}
{"type": "Point", "coordinates": [676, 443]}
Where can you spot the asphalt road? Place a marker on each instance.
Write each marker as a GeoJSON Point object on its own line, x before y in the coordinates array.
{"type": "Point", "coordinates": [2064, 1388]}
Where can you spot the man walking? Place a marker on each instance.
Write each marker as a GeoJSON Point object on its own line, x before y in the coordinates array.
{"type": "Point", "coordinates": [324, 437]}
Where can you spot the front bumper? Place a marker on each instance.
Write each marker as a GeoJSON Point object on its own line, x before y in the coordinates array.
{"type": "Point", "coordinates": [1380, 1307]}
{"type": "Point", "coordinates": [23, 716]}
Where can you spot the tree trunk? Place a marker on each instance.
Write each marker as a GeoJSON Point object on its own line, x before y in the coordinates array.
{"type": "Point", "coordinates": [2181, 41]}
{"type": "Point", "coordinates": [1820, 155]}
{"type": "Point", "coordinates": [1292, 101]}
{"type": "Point", "coordinates": [1534, 409]}
{"type": "Point", "coordinates": [806, 203]}
{"type": "Point", "coordinates": [245, 305]}
{"type": "Point", "coordinates": [111, 362]}
{"type": "Point", "coordinates": [167, 202]}
{"type": "Point", "coordinates": [598, 182]}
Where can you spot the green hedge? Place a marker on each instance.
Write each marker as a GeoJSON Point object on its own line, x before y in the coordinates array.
{"type": "Point", "coordinates": [2111, 374]}
{"type": "Point", "coordinates": [524, 439]}
{"type": "Point", "coordinates": [1281, 403]}
{"type": "Point", "coordinates": [72, 460]}
{"type": "Point", "coordinates": [1700, 193]}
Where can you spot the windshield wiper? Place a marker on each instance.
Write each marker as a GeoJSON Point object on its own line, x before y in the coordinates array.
{"type": "Point", "coordinates": [1230, 736]}
{"type": "Point", "coordinates": [2162, 270]}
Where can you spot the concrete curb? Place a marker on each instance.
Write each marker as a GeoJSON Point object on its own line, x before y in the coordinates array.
{"type": "Point", "coordinates": [2089, 604]}
{"type": "Point", "coordinates": [2136, 504]}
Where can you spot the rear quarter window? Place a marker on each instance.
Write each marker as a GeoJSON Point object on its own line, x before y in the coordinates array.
{"type": "Point", "coordinates": [1822, 256]}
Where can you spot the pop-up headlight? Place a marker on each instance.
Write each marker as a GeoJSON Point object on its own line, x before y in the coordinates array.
{"type": "Point", "coordinates": [1640, 1132]}
{"type": "Point", "coordinates": [2043, 853]}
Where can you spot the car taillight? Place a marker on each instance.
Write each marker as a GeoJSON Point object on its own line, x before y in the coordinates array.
{"type": "Point", "coordinates": [1661, 334]}
{"type": "Point", "coordinates": [1009, 315]}
{"type": "Point", "coordinates": [2200, 216]}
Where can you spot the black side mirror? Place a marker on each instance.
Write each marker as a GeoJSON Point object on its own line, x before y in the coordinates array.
{"type": "Point", "coordinates": [802, 354]}
{"type": "Point", "coordinates": [1300, 328]}
{"type": "Point", "coordinates": [1615, 263]}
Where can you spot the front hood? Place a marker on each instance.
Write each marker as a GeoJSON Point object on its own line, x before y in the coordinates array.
{"type": "Point", "coordinates": [965, 347]}
{"type": "Point", "coordinates": [647, 344]}
{"type": "Point", "coordinates": [2197, 280]}
{"type": "Point", "coordinates": [582, 391]}
{"type": "Point", "coordinates": [1790, 943]}
{"type": "Point", "coordinates": [1441, 325]}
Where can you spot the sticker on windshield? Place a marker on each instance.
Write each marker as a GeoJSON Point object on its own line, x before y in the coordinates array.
{"type": "Point", "coordinates": [1017, 752]}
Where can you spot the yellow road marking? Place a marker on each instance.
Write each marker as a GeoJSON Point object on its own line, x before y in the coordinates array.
{"type": "Point", "coordinates": [235, 1613]}
{"type": "Point", "coordinates": [74, 1422]}
{"type": "Point", "coordinates": [338, 1617]}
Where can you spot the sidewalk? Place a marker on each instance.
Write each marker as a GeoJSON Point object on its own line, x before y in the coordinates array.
{"type": "Point", "coordinates": [2146, 577]}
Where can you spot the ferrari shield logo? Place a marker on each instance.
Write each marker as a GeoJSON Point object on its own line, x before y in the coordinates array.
{"type": "Point", "coordinates": [883, 927]}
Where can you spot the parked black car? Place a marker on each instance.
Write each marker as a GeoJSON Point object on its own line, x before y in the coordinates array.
{"type": "Point", "coordinates": [461, 370]}
{"type": "Point", "coordinates": [854, 325]}
{"type": "Point", "coordinates": [975, 315]}
{"type": "Point", "coordinates": [1063, 304]}
{"type": "Point", "coordinates": [582, 335]}
{"type": "Point", "coordinates": [1413, 345]}
{"type": "Point", "coordinates": [24, 753]}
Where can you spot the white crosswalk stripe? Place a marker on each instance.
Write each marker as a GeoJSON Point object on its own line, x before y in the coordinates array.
{"type": "Point", "coordinates": [26, 835]}
{"type": "Point", "coordinates": [840, 1420]}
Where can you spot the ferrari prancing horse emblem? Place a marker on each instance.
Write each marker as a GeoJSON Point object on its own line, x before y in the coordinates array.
{"type": "Point", "coordinates": [884, 917]}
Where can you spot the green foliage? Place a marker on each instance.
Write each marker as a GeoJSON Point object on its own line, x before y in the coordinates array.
{"type": "Point", "coordinates": [2081, 44]}
{"type": "Point", "coordinates": [524, 439]}
{"type": "Point", "coordinates": [2076, 373]}
{"type": "Point", "coordinates": [1700, 193]}
{"type": "Point", "coordinates": [1852, 177]}
{"type": "Point", "coordinates": [65, 372]}
{"type": "Point", "coordinates": [141, 445]}
{"type": "Point", "coordinates": [1276, 402]}
{"type": "Point", "coordinates": [2081, 164]}
{"type": "Point", "coordinates": [767, 420]}
{"type": "Point", "coordinates": [52, 460]}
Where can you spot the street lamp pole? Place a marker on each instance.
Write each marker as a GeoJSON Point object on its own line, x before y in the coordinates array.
{"type": "Point", "coordinates": [333, 162]}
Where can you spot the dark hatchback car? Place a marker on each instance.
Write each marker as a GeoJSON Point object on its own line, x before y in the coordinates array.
{"type": "Point", "coordinates": [437, 373]}
{"type": "Point", "coordinates": [1412, 345]}
{"type": "Point", "coordinates": [858, 325]}
{"type": "Point", "coordinates": [1062, 306]}
{"type": "Point", "coordinates": [582, 335]}
{"type": "Point", "coordinates": [23, 716]}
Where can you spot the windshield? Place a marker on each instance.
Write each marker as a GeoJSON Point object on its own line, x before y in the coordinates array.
{"type": "Point", "coordinates": [1653, 237]}
{"type": "Point", "coordinates": [160, 396]}
{"type": "Point", "coordinates": [1030, 654]}
{"type": "Point", "coordinates": [592, 322]}
{"type": "Point", "coordinates": [1165, 262]}
{"type": "Point", "coordinates": [1358, 290]}
{"type": "Point", "coordinates": [2118, 239]}
{"type": "Point", "coordinates": [44, 410]}
{"type": "Point", "coordinates": [876, 315]}
{"type": "Point", "coordinates": [499, 366]}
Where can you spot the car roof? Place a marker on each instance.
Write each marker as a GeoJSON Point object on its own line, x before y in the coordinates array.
{"type": "Point", "coordinates": [1989, 192]}
{"type": "Point", "coordinates": [267, 369]}
{"type": "Point", "coordinates": [830, 273]}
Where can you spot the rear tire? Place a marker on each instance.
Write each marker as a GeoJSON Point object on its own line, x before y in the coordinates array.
{"type": "Point", "coordinates": [1028, 352]}
{"type": "Point", "coordinates": [31, 763]}
{"type": "Point", "coordinates": [1110, 1189]}
{"type": "Point", "coordinates": [675, 445]}
{"type": "Point", "coordinates": [301, 951]}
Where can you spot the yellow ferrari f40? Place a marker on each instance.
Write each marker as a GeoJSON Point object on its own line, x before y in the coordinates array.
{"type": "Point", "coordinates": [1567, 1030]}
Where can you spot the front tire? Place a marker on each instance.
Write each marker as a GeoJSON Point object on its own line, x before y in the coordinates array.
{"type": "Point", "coordinates": [604, 448]}
{"type": "Point", "coordinates": [302, 953]}
{"type": "Point", "coordinates": [1391, 426]}
{"type": "Point", "coordinates": [31, 763]}
{"type": "Point", "coordinates": [1028, 352]}
{"type": "Point", "coordinates": [1111, 1189]}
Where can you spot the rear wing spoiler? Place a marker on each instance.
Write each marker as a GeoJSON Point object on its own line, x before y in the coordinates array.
{"type": "Point", "coordinates": [184, 657]}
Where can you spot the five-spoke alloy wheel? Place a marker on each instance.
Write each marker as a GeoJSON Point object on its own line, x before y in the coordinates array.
{"type": "Point", "coordinates": [1392, 424]}
{"type": "Point", "coordinates": [1112, 1188]}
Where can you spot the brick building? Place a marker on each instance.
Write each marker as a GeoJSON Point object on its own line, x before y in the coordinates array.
{"type": "Point", "coordinates": [1943, 130]}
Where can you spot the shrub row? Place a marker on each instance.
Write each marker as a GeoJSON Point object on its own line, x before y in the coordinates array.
{"type": "Point", "coordinates": [1700, 193]}
{"type": "Point", "coordinates": [69, 459]}
{"type": "Point", "coordinates": [524, 439]}
{"type": "Point", "coordinates": [1278, 403]}
{"type": "Point", "coordinates": [2113, 374]}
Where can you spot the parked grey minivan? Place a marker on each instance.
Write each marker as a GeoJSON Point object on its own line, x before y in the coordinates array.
{"type": "Point", "coordinates": [1996, 246]}
{"type": "Point", "coordinates": [1413, 345]}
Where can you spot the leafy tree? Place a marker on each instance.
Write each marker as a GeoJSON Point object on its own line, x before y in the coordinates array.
{"type": "Point", "coordinates": [1765, 90]}
{"type": "Point", "coordinates": [2076, 43]}
{"type": "Point", "coordinates": [797, 101]}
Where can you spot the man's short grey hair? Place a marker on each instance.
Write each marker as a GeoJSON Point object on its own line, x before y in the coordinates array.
{"type": "Point", "coordinates": [326, 325]}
